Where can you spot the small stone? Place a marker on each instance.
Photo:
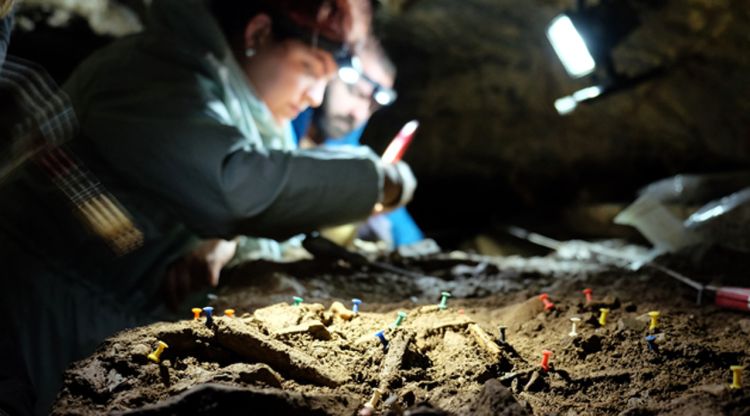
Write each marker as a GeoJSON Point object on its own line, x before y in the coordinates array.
{"type": "Point", "coordinates": [140, 350]}
{"type": "Point", "coordinates": [744, 326]}
{"type": "Point", "coordinates": [315, 329]}
{"type": "Point", "coordinates": [627, 323]}
{"type": "Point", "coordinates": [340, 311]}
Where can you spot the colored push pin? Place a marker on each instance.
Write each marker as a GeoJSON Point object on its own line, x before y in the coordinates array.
{"type": "Point", "coordinates": [501, 329]}
{"type": "Point", "coordinates": [196, 313]}
{"type": "Point", "coordinates": [355, 305]}
{"type": "Point", "coordinates": [654, 315]}
{"type": "Point", "coordinates": [381, 335]}
{"type": "Point", "coordinates": [603, 316]}
{"type": "Point", "coordinates": [587, 292]}
{"type": "Point", "coordinates": [399, 319]}
{"type": "Point", "coordinates": [651, 341]}
{"type": "Point", "coordinates": [736, 377]}
{"type": "Point", "coordinates": [229, 313]}
{"type": "Point", "coordinates": [155, 356]}
{"type": "Point", "coordinates": [574, 321]}
{"type": "Point", "coordinates": [296, 301]}
{"type": "Point", "coordinates": [547, 304]}
{"type": "Point", "coordinates": [444, 301]}
{"type": "Point", "coordinates": [369, 408]}
{"type": "Point", "coordinates": [545, 359]}
{"type": "Point", "coordinates": [209, 311]}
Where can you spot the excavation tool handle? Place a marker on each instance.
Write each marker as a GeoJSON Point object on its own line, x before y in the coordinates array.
{"type": "Point", "coordinates": [733, 298]}
{"type": "Point", "coordinates": [396, 149]}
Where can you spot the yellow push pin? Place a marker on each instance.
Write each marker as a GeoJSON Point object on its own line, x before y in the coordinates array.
{"type": "Point", "coordinates": [603, 316]}
{"type": "Point", "coordinates": [229, 313]}
{"type": "Point", "coordinates": [154, 356]}
{"type": "Point", "coordinates": [654, 315]}
{"type": "Point", "coordinates": [196, 313]}
{"type": "Point", "coordinates": [736, 377]}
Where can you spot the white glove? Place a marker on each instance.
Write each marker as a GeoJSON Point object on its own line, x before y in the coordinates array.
{"type": "Point", "coordinates": [402, 182]}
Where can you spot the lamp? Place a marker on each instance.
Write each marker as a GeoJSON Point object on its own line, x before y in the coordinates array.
{"type": "Point", "coordinates": [351, 72]}
{"type": "Point", "coordinates": [583, 39]}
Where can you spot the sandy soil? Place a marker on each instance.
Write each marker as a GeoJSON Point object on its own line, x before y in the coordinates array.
{"type": "Point", "coordinates": [319, 358]}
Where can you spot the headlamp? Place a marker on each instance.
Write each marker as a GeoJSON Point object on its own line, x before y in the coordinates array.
{"type": "Point", "coordinates": [351, 72]}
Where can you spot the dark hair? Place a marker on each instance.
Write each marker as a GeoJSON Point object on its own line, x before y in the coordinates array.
{"type": "Point", "coordinates": [327, 24]}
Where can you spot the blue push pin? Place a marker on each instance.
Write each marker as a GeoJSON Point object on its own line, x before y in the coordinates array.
{"type": "Point", "coordinates": [381, 335]}
{"type": "Point", "coordinates": [209, 310]}
{"type": "Point", "coordinates": [355, 305]}
{"type": "Point", "coordinates": [651, 340]}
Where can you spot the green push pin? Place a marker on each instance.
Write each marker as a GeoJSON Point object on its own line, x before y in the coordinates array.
{"type": "Point", "coordinates": [444, 301]}
{"type": "Point", "coordinates": [297, 301]}
{"type": "Point", "coordinates": [399, 319]}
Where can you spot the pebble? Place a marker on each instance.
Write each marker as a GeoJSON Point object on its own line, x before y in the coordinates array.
{"type": "Point", "coordinates": [744, 326]}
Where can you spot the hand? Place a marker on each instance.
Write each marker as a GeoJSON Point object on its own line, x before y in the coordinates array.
{"type": "Point", "coordinates": [196, 270]}
{"type": "Point", "coordinates": [398, 187]}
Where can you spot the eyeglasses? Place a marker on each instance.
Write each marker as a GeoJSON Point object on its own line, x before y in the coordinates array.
{"type": "Point", "coordinates": [351, 72]}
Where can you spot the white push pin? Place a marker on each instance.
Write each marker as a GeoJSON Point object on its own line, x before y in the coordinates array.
{"type": "Point", "coordinates": [574, 320]}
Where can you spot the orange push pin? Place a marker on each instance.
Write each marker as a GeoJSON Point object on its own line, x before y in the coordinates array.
{"type": "Point", "coordinates": [229, 313]}
{"type": "Point", "coordinates": [736, 377]}
{"type": "Point", "coordinates": [155, 356]}
{"type": "Point", "coordinates": [196, 313]}
{"type": "Point", "coordinates": [654, 315]}
{"type": "Point", "coordinates": [587, 292]}
{"type": "Point", "coordinates": [547, 304]}
{"type": "Point", "coordinates": [545, 359]}
{"type": "Point", "coordinates": [603, 316]}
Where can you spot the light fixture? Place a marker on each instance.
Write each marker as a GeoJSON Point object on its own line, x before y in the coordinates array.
{"type": "Point", "coordinates": [350, 70]}
{"type": "Point", "coordinates": [570, 47]}
{"type": "Point", "coordinates": [384, 96]}
{"type": "Point", "coordinates": [583, 40]}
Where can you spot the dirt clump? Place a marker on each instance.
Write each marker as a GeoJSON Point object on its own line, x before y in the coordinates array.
{"type": "Point", "coordinates": [321, 358]}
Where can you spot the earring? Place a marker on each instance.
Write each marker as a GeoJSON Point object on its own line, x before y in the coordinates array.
{"type": "Point", "coordinates": [249, 52]}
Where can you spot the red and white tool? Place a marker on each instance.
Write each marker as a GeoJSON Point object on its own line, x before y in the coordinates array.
{"type": "Point", "coordinates": [732, 297]}
{"type": "Point", "coordinates": [725, 297]}
{"type": "Point", "coordinates": [395, 150]}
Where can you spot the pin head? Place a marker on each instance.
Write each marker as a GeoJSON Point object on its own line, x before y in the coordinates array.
{"type": "Point", "coordinates": [355, 305]}
{"type": "Point", "coordinates": [156, 355]}
{"type": "Point", "coordinates": [381, 336]}
{"type": "Point", "coordinates": [444, 300]}
{"type": "Point", "coordinates": [545, 359]}
{"type": "Point", "coordinates": [501, 329]}
{"type": "Point", "coordinates": [603, 316]}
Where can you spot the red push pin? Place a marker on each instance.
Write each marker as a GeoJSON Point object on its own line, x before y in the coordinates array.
{"type": "Point", "coordinates": [547, 304]}
{"type": "Point", "coordinates": [588, 292]}
{"type": "Point", "coordinates": [545, 359]}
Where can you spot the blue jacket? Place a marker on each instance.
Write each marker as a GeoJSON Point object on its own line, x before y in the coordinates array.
{"type": "Point", "coordinates": [404, 229]}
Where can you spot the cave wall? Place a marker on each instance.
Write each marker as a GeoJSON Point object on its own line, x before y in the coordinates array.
{"type": "Point", "coordinates": [482, 78]}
